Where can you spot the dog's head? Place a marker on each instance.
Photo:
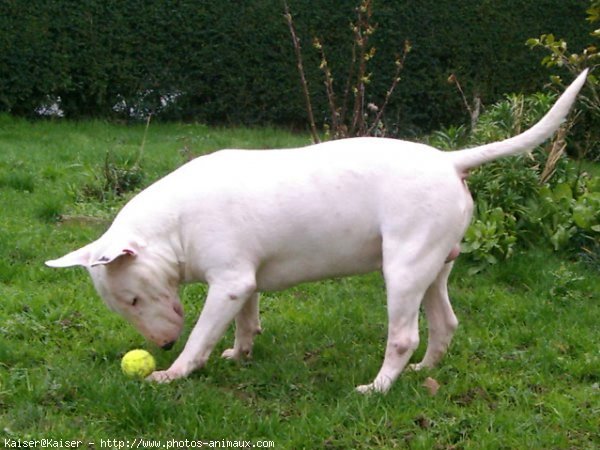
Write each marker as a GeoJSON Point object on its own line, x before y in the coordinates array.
{"type": "Point", "coordinates": [136, 283]}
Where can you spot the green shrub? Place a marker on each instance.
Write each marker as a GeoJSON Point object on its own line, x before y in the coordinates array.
{"type": "Point", "coordinates": [491, 236]}
{"type": "Point", "coordinates": [519, 201]}
{"type": "Point", "coordinates": [233, 62]}
{"type": "Point", "coordinates": [558, 58]}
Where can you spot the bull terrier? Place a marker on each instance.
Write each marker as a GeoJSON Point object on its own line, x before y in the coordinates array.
{"type": "Point", "coordinates": [247, 221]}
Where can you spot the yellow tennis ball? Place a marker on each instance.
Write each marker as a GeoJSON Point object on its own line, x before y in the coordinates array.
{"type": "Point", "coordinates": [138, 364]}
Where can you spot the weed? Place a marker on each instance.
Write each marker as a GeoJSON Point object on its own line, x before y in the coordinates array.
{"type": "Point", "coordinates": [118, 177]}
{"type": "Point", "coordinates": [19, 181]}
{"type": "Point", "coordinates": [115, 179]}
{"type": "Point", "coordinates": [49, 210]}
{"type": "Point", "coordinates": [565, 282]}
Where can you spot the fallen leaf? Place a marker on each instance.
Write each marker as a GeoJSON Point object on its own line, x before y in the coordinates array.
{"type": "Point", "coordinates": [432, 385]}
{"type": "Point", "coordinates": [423, 422]}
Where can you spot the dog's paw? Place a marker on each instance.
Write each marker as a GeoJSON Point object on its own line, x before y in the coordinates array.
{"type": "Point", "coordinates": [373, 388]}
{"type": "Point", "coordinates": [231, 353]}
{"type": "Point", "coordinates": [162, 376]}
{"type": "Point", "coordinates": [365, 389]}
{"type": "Point", "coordinates": [419, 366]}
{"type": "Point", "coordinates": [236, 354]}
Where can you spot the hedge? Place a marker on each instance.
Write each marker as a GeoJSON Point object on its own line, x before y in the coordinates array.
{"type": "Point", "coordinates": [233, 62]}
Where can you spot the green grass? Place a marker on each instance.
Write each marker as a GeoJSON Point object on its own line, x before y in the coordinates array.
{"type": "Point", "coordinates": [522, 371]}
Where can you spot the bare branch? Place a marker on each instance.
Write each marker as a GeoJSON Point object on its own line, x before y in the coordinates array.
{"type": "Point", "coordinates": [362, 31]}
{"type": "Point", "coordinates": [399, 66]}
{"type": "Point", "coordinates": [335, 122]}
{"type": "Point", "coordinates": [473, 112]}
{"type": "Point", "coordinates": [300, 65]}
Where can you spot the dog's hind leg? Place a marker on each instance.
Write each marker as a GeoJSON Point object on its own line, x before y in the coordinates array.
{"type": "Point", "coordinates": [406, 279]}
{"type": "Point", "coordinates": [247, 325]}
{"type": "Point", "coordinates": [441, 319]}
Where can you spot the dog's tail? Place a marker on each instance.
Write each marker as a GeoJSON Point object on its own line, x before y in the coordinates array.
{"type": "Point", "coordinates": [470, 158]}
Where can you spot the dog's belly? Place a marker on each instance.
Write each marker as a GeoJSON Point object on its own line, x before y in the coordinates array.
{"type": "Point", "coordinates": [319, 259]}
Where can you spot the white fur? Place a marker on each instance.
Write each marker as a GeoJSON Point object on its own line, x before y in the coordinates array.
{"type": "Point", "coordinates": [251, 221]}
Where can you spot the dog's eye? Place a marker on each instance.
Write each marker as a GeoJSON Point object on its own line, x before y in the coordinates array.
{"type": "Point", "coordinates": [134, 301]}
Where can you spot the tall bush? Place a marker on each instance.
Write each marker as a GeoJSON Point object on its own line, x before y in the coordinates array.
{"type": "Point", "coordinates": [537, 199]}
{"type": "Point", "coordinates": [559, 58]}
{"type": "Point", "coordinates": [233, 61]}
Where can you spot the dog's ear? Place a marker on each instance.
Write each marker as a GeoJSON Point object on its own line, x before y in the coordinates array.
{"type": "Point", "coordinates": [113, 253]}
{"type": "Point", "coordinates": [79, 257]}
{"type": "Point", "coordinates": [95, 254]}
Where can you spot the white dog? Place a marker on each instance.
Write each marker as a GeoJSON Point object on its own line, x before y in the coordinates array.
{"type": "Point", "coordinates": [251, 221]}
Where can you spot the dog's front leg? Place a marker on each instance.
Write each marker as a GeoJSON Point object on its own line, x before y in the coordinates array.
{"type": "Point", "coordinates": [247, 325]}
{"type": "Point", "coordinates": [225, 299]}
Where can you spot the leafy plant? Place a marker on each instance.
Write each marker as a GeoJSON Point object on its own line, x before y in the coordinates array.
{"type": "Point", "coordinates": [559, 57]}
{"type": "Point", "coordinates": [586, 209]}
{"type": "Point", "coordinates": [450, 138]}
{"type": "Point", "coordinates": [529, 199]}
{"type": "Point", "coordinates": [552, 211]}
{"type": "Point", "coordinates": [511, 116]}
{"type": "Point", "coordinates": [565, 283]}
{"type": "Point", "coordinates": [491, 236]}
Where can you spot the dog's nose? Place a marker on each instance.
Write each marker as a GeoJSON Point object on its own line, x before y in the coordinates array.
{"type": "Point", "coordinates": [168, 345]}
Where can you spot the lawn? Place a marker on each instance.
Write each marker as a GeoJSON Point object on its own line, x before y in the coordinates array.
{"type": "Point", "coordinates": [522, 371]}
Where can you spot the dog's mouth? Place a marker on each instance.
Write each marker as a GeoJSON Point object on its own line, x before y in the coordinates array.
{"type": "Point", "coordinates": [168, 345]}
{"type": "Point", "coordinates": [178, 309]}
